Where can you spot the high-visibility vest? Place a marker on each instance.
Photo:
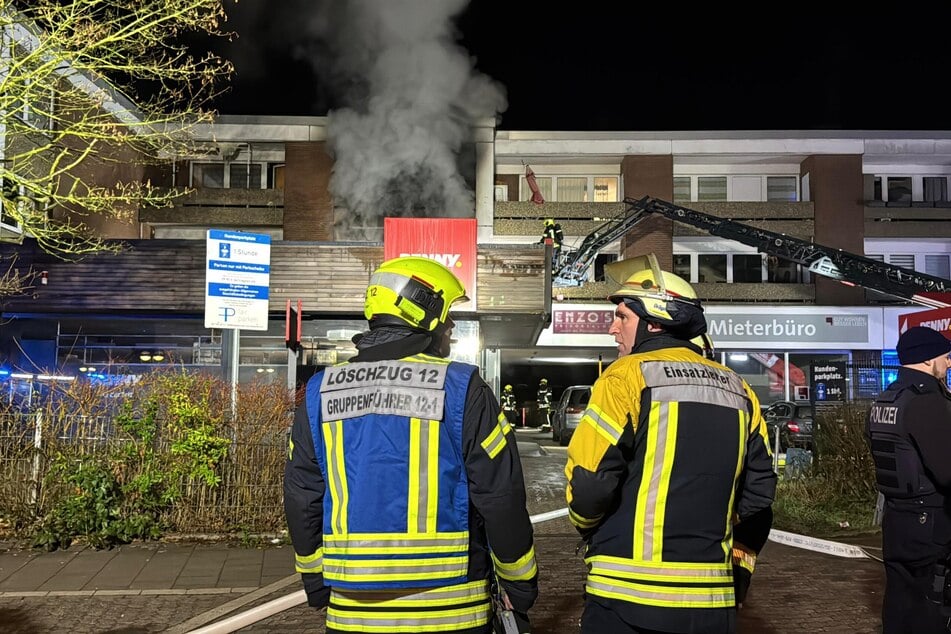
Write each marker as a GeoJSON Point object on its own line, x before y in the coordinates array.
{"type": "Point", "coordinates": [388, 438]}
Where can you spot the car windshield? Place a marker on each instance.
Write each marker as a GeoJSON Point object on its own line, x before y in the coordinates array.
{"type": "Point", "coordinates": [580, 397]}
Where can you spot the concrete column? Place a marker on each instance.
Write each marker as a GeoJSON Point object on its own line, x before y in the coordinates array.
{"type": "Point", "coordinates": [836, 186]}
{"type": "Point", "coordinates": [492, 369]}
{"type": "Point", "coordinates": [650, 175]}
{"type": "Point", "coordinates": [484, 190]}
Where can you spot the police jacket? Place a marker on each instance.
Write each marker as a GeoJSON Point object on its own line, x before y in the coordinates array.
{"type": "Point", "coordinates": [401, 472]}
{"type": "Point", "coordinates": [669, 452]}
{"type": "Point", "coordinates": [909, 429]}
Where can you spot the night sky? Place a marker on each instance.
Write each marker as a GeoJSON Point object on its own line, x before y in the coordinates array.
{"type": "Point", "coordinates": [608, 66]}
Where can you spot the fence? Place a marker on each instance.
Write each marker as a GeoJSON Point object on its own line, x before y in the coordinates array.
{"type": "Point", "coordinates": [247, 497]}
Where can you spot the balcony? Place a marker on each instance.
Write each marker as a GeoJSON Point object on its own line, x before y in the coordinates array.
{"type": "Point", "coordinates": [911, 220]}
{"type": "Point", "coordinates": [707, 291]}
{"type": "Point", "coordinates": [524, 218]}
{"type": "Point", "coordinates": [222, 208]}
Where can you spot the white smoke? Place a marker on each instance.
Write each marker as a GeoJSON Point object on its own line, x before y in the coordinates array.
{"type": "Point", "coordinates": [411, 92]}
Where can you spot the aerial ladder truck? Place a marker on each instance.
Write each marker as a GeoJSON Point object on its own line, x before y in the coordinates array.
{"type": "Point", "coordinates": [848, 268]}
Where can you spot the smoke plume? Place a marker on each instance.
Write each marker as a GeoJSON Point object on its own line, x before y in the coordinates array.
{"type": "Point", "coordinates": [401, 94]}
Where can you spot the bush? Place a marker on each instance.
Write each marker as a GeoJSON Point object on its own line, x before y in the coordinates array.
{"type": "Point", "coordinates": [838, 493]}
{"type": "Point", "coordinates": [127, 462]}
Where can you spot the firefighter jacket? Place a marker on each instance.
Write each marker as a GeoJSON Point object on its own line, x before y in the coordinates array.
{"type": "Point", "coordinates": [544, 398]}
{"type": "Point", "coordinates": [401, 472]}
{"type": "Point", "coordinates": [909, 430]}
{"type": "Point", "coordinates": [508, 402]}
{"type": "Point", "coordinates": [670, 451]}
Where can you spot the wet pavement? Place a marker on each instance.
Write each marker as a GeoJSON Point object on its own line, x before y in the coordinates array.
{"type": "Point", "coordinates": [160, 586]}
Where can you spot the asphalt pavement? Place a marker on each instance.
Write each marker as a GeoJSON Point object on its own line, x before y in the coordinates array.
{"type": "Point", "coordinates": [174, 586]}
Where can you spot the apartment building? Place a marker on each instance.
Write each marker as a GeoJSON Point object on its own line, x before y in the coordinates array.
{"type": "Point", "coordinates": [883, 194]}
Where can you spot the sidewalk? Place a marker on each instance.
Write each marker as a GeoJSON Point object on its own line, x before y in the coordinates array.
{"type": "Point", "coordinates": [152, 587]}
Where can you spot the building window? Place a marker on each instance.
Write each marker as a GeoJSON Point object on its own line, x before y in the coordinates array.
{"type": "Point", "coordinates": [935, 188]}
{"type": "Point", "coordinates": [573, 190]}
{"type": "Point", "coordinates": [682, 189]}
{"type": "Point", "coordinates": [577, 189]}
{"type": "Point", "coordinates": [277, 177]}
{"type": "Point", "coordinates": [747, 268]}
{"type": "Point", "coordinates": [605, 189]}
{"type": "Point", "coordinates": [781, 188]}
{"type": "Point", "coordinates": [208, 175]}
{"type": "Point", "coordinates": [711, 268]}
{"type": "Point", "coordinates": [937, 265]}
{"type": "Point", "coordinates": [711, 188]}
{"type": "Point", "coordinates": [237, 175]}
{"type": "Point", "coordinates": [244, 176]}
{"type": "Point", "coordinates": [682, 266]}
{"type": "Point", "coordinates": [904, 260]}
{"type": "Point", "coordinates": [899, 189]}
{"type": "Point", "coordinates": [544, 186]}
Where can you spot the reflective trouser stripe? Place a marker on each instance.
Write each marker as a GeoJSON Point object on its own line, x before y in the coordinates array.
{"type": "Point", "coordinates": [663, 596]}
{"type": "Point", "coordinates": [410, 611]}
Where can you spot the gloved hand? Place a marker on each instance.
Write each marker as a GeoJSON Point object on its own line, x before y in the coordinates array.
{"type": "Point", "coordinates": [524, 623]}
{"type": "Point", "coordinates": [318, 595]}
{"type": "Point", "coordinates": [520, 594]}
{"type": "Point", "coordinates": [741, 584]}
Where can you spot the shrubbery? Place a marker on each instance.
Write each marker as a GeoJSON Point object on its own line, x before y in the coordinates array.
{"type": "Point", "coordinates": [838, 493]}
{"type": "Point", "coordinates": [127, 462]}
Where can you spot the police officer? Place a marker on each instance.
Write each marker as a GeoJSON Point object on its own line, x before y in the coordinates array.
{"type": "Point", "coordinates": [909, 428]}
{"type": "Point", "coordinates": [544, 404]}
{"type": "Point", "coordinates": [509, 404]}
{"type": "Point", "coordinates": [670, 450]}
{"type": "Point", "coordinates": [403, 489]}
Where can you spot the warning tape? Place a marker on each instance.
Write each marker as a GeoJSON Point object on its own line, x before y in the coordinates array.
{"type": "Point", "coordinates": [818, 545]}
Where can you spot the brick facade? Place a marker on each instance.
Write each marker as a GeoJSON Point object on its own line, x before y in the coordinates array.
{"type": "Point", "coordinates": [649, 176]}
{"type": "Point", "coordinates": [308, 205]}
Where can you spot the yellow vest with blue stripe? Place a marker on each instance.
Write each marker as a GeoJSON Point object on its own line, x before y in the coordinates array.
{"type": "Point", "coordinates": [388, 438]}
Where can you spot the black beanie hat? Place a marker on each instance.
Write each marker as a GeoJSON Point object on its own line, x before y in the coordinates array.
{"type": "Point", "coordinates": [921, 344]}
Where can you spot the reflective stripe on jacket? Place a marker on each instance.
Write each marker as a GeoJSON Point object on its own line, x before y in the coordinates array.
{"type": "Point", "coordinates": [408, 525]}
{"type": "Point", "coordinates": [445, 609]}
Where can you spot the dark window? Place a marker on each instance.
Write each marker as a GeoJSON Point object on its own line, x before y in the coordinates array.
{"type": "Point", "coordinates": [899, 189]}
{"type": "Point", "coordinates": [748, 268]}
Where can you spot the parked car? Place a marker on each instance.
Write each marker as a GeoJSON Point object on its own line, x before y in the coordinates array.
{"type": "Point", "coordinates": [793, 421]}
{"type": "Point", "coordinates": [567, 412]}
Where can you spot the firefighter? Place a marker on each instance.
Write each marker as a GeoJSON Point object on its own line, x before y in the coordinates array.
{"type": "Point", "coordinates": [669, 454]}
{"type": "Point", "coordinates": [403, 488]}
{"type": "Point", "coordinates": [909, 428]}
{"type": "Point", "coordinates": [509, 405]}
{"type": "Point", "coordinates": [553, 232]}
{"type": "Point", "coordinates": [544, 405]}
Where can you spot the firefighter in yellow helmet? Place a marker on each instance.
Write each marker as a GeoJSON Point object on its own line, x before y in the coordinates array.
{"type": "Point", "coordinates": [509, 404]}
{"type": "Point", "coordinates": [669, 453]}
{"type": "Point", "coordinates": [402, 472]}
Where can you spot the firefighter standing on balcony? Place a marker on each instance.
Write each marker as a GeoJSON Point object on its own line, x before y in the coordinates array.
{"type": "Point", "coordinates": [544, 405]}
{"type": "Point", "coordinates": [403, 489]}
{"type": "Point", "coordinates": [509, 405]}
{"type": "Point", "coordinates": [669, 452]}
{"type": "Point", "coordinates": [553, 232]}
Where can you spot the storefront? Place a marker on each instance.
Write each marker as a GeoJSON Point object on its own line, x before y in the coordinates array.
{"type": "Point", "coordinates": [775, 348]}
